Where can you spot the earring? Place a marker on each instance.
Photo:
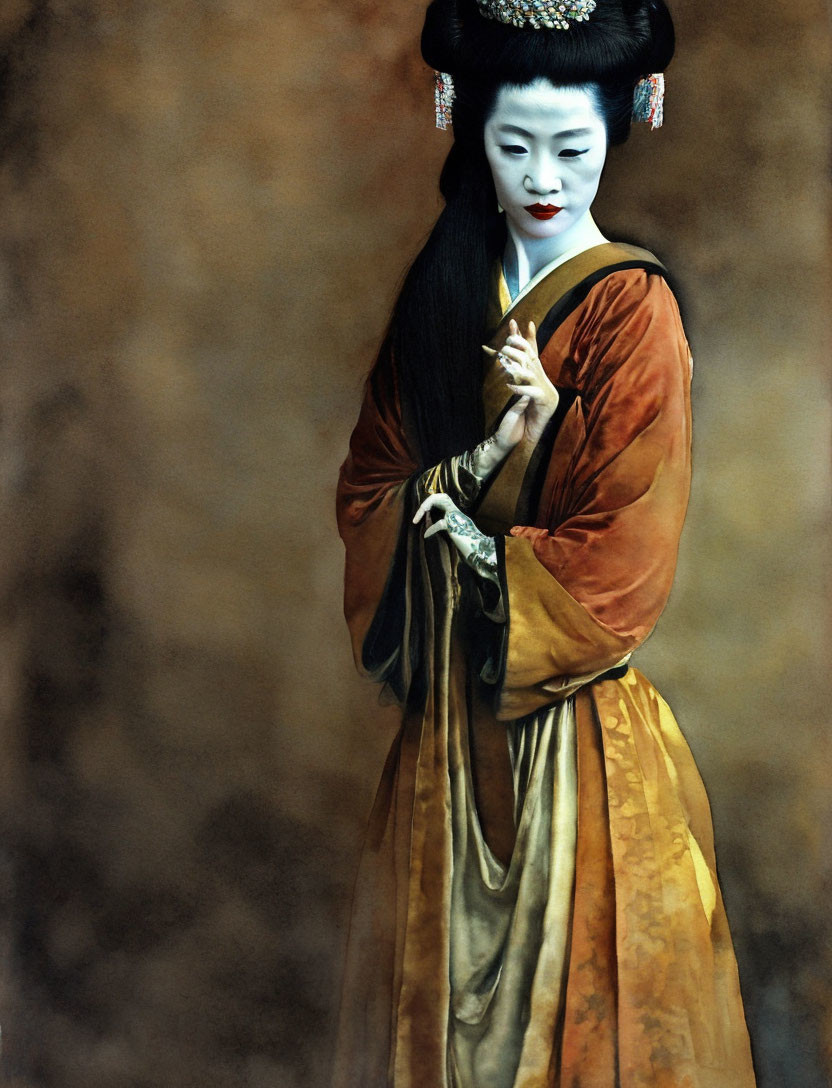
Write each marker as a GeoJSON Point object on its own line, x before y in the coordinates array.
{"type": "Point", "coordinates": [500, 208]}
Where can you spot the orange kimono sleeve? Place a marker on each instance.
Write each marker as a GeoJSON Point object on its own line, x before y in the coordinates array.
{"type": "Point", "coordinates": [587, 580]}
{"type": "Point", "coordinates": [380, 485]}
{"type": "Point", "coordinates": [371, 501]}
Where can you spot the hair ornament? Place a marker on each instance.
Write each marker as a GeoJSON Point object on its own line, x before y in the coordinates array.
{"type": "Point", "coordinates": [648, 100]}
{"type": "Point", "coordinates": [538, 14]}
{"type": "Point", "coordinates": [443, 92]}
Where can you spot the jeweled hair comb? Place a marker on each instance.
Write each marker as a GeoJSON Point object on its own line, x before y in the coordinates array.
{"type": "Point", "coordinates": [551, 14]}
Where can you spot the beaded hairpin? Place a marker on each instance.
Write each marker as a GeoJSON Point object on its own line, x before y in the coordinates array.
{"type": "Point", "coordinates": [551, 14]}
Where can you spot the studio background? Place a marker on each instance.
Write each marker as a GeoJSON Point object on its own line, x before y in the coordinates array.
{"type": "Point", "coordinates": [206, 210]}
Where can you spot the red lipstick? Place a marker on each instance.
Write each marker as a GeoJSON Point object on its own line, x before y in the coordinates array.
{"type": "Point", "coordinates": [543, 211]}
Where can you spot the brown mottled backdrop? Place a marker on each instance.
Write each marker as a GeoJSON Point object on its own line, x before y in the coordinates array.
{"type": "Point", "coordinates": [206, 208]}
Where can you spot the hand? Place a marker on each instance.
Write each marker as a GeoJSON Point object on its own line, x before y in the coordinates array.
{"type": "Point", "coordinates": [476, 549]}
{"type": "Point", "coordinates": [493, 450]}
{"type": "Point", "coordinates": [526, 376]}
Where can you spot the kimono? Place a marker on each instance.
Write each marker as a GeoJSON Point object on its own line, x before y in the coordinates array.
{"type": "Point", "coordinates": [537, 902]}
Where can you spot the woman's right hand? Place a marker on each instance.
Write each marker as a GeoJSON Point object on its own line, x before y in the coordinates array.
{"type": "Point", "coordinates": [526, 376]}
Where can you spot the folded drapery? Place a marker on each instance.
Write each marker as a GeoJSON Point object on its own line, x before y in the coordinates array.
{"type": "Point", "coordinates": [537, 902]}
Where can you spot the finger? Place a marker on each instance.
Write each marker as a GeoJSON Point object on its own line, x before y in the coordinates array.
{"type": "Point", "coordinates": [511, 376]}
{"type": "Point", "coordinates": [516, 355]}
{"type": "Point", "coordinates": [511, 418]}
{"type": "Point", "coordinates": [513, 382]}
{"type": "Point", "coordinates": [420, 513]}
{"type": "Point", "coordinates": [500, 356]}
{"type": "Point", "coordinates": [528, 392]}
{"type": "Point", "coordinates": [519, 378]}
{"type": "Point", "coordinates": [440, 499]}
{"type": "Point", "coordinates": [513, 412]}
{"type": "Point", "coordinates": [538, 397]}
{"type": "Point", "coordinates": [522, 368]}
{"type": "Point", "coordinates": [532, 361]}
{"type": "Point", "coordinates": [519, 407]}
{"type": "Point", "coordinates": [511, 357]}
{"type": "Point", "coordinates": [437, 527]}
{"type": "Point", "coordinates": [517, 343]}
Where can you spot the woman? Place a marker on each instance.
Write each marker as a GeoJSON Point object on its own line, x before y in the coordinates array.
{"type": "Point", "coordinates": [537, 902]}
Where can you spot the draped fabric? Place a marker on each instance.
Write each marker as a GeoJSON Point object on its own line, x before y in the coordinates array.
{"type": "Point", "coordinates": [537, 902]}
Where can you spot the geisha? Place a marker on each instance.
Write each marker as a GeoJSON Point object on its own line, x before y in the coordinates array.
{"type": "Point", "coordinates": [537, 902]}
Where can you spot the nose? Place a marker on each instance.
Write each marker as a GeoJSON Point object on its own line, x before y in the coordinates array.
{"type": "Point", "coordinates": [542, 182]}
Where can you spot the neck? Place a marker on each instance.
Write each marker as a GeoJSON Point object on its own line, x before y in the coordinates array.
{"type": "Point", "coordinates": [524, 256]}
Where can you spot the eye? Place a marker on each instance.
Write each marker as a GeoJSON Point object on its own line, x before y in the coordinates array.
{"type": "Point", "coordinates": [572, 153]}
{"type": "Point", "coordinates": [513, 149]}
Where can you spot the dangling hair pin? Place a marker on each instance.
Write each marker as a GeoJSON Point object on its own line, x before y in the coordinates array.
{"type": "Point", "coordinates": [648, 100]}
{"type": "Point", "coordinates": [444, 96]}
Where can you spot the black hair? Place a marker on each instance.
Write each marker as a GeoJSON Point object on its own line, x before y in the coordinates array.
{"type": "Point", "coordinates": [438, 322]}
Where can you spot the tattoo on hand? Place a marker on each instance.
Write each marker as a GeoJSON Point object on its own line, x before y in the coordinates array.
{"type": "Point", "coordinates": [483, 556]}
{"type": "Point", "coordinates": [461, 525]}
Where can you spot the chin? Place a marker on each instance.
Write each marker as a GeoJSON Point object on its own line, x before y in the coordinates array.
{"type": "Point", "coordinates": [542, 228]}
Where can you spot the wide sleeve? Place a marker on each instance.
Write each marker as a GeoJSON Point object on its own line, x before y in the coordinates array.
{"type": "Point", "coordinates": [380, 486]}
{"type": "Point", "coordinates": [370, 506]}
{"type": "Point", "coordinates": [586, 582]}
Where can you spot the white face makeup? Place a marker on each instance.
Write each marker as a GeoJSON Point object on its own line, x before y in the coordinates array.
{"type": "Point", "coordinates": [546, 146]}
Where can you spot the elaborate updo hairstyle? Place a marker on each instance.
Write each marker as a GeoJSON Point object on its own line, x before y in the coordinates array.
{"type": "Point", "coordinates": [439, 319]}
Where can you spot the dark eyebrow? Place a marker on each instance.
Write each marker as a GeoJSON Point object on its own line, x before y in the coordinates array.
{"type": "Point", "coordinates": [517, 131]}
{"type": "Point", "coordinates": [575, 132]}
{"type": "Point", "coordinates": [570, 132]}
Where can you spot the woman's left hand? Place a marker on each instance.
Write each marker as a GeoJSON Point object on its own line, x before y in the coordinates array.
{"type": "Point", "coordinates": [476, 549]}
